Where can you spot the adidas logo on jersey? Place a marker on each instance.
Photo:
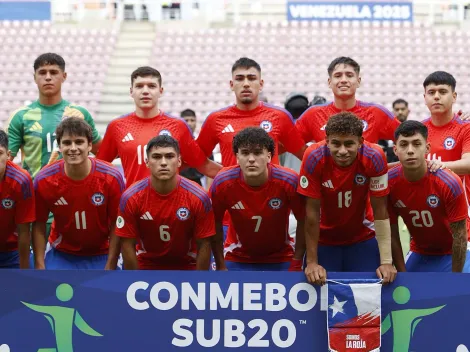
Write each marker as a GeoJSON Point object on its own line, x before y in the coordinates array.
{"type": "Point", "coordinates": [128, 137]}
{"type": "Point", "coordinates": [61, 201]}
{"type": "Point", "coordinates": [239, 206]}
{"type": "Point", "coordinates": [228, 129]}
{"type": "Point", "coordinates": [146, 216]}
{"type": "Point", "coordinates": [36, 127]}
{"type": "Point", "coordinates": [327, 184]}
{"type": "Point", "coordinates": [400, 204]}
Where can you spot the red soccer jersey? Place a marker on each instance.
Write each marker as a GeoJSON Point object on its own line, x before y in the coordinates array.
{"type": "Point", "coordinates": [166, 227]}
{"type": "Point", "coordinates": [449, 143]}
{"type": "Point", "coordinates": [84, 211]}
{"type": "Point", "coordinates": [127, 137]}
{"type": "Point", "coordinates": [258, 230]}
{"type": "Point", "coordinates": [16, 205]}
{"type": "Point", "coordinates": [379, 123]}
{"type": "Point", "coordinates": [346, 214]}
{"type": "Point", "coordinates": [221, 126]}
{"type": "Point", "coordinates": [427, 207]}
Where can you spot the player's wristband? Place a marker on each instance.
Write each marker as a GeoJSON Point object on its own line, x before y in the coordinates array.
{"type": "Point", "coordinates": [383, 234]}
{"type": "Point", "coordinates": [295, 265]}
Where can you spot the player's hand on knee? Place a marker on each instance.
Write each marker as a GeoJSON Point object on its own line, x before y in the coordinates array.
{"type": "Point", "coordinates": [316, 274]}
{"type": "Point", "coordinates": [386, 272]}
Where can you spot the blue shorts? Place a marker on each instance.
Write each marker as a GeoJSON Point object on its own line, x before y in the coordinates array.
{"type": "Point", "coordinates": [9, 260]}
{"type": "Point", "coordinates": [358, 257]}
{"type": "Point", "coordinates": [56, 260]}
{"type": "Point", "coordinates": [235, 266]}
{"type": "Point", "coordinates": [416, 262]}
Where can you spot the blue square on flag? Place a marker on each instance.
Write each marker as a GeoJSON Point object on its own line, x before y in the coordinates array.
{"type": "Point", "coordinates": [354, 315]}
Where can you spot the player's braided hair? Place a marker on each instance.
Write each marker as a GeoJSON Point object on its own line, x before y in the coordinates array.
{"type": "Point", "coordinates": [253, 137]}
{"type": "Point", "coordinates": [410, 128]}
{"type": "Point", "coordinates": [344, 124]}
{"type": "Point", "coordinates": [49, 59]}
{"type": "Point", "coordinates": [440, 77]}
{"type": "Point", "coordinates": [74, 126]}
{"type": "Point", "coordinates": [163, 141]}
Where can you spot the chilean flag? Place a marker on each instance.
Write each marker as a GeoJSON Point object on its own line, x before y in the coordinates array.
{"type": "Point", "coordinates": [354, 315]}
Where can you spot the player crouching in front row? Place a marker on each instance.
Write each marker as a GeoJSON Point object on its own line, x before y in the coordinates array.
{"type": "Point", "coordinates": [83, 195]}
{"type": "Point", "coordinates": [166, 215]}
{"type": "Point", "coordinates": [259, 197]}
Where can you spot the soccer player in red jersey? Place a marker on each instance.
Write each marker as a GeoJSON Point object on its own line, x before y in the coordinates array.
{"type": "Point", "coordinates": [221, 126]}
{"type": "Point", "coordinates": [344, 79]}
{"type": "Point", "coordinates": [83, 195]}
{"type": "Point", "coordinates": [259, 197]}
{"type": "Point", "coordinates": [342, 177]}
{"type": "Point", "coordinates": [449, 136]}
{"type": "Point", "coordinates": [432, 205]}
{"type": "Point", "coordinates": [169, 217]}
{"type": "Point", "coordinates": [126, 137]}
{"type": "Point", "coordinates": [17, 210]}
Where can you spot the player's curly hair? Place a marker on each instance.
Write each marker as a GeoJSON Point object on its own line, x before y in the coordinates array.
{"type": "Point", "coordinates": [146, 71]}
{"type": "Point", "coordinates": [410, 128]}
{"type": "Point", "coordinates": [74, 126]}
{"type": "Point", "coordinates": [163, 141]}
{"type": "Point", "coordinates": [253, 137]}
{"type": "Point", "coordinates": [49, 59]}
{"type": "Point", "coordinates": [440, 77]}
{"type": "Point", "coordinates": [3, 140]}
{"type": "Point", "coordinates": [245, 62]}
{"type": "Point", "coordinates": [344, 124]}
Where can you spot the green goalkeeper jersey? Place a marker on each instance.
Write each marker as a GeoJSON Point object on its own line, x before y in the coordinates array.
{"type": "Point", "coordinates": [32, 129]}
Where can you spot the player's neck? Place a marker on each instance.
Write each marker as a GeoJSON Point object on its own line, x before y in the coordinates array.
{"type": "Point", "coordinates": [442, 119]}
{"type": "Point", "coordinates": [417, 174]}
{"type": "Point", "coordinates": [345, 103]}
{"type": "Point", "coordinates": [2, 175]}
{"type": "Point", "coordinates": [248, 107]}
{"type": "Point", "coordinates": [164, 187]}
{"type": "Point", "coordinates": [78, 172]}
{"type": "Point", "coordinates": [147, 114]}
{"type": "Point", "coordinates": [48, 101]}
{"type": "Point", "coordinates": [257, 181]}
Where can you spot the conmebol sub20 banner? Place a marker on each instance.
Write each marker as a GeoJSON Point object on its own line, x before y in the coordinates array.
{"type": "Point", "coordinates": [67, 311]}
{"type": "Point", "coordinates": [349, 11]}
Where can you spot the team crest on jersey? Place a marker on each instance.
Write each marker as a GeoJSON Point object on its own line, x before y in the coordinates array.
{"type": "Point", "coordinates": [364, 125]}
{"type": "Point", "coordinates": [97, 198]}
{"type": "Point", "coordinates": [182, 213]}
{"type": "Point", "coordinates": [266, 125]}
{"type": "Point", "coordinates": [449, 143]}
{"type": "Point", "coordinates": [360, 179]}
{"type": "Point", "coordinates": [275, 203]}
{"type": "Point", "coordinates": [8, 203]}
{"type": "Point", "coordinates": [165, 133]}
{"type": "Point", "coordinates": [433, 201]}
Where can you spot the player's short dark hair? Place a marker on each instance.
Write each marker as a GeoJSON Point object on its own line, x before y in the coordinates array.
{"type": "Point", "coordinates": [344, 124]}
{"type": "Point", "coordinates": [245, 62]}
{"type": "Point", "coordinates": [3, 140]}
{"type": "Point", "coordinates": [74, 126]}
{"type": "Point", "coordinates": [410, 128]}
{"type": "Point", "coordinates": [146, 71]}
{"type": "Point", "coordinates": [187, 112]}
{"type": "Point", "coordinates": [440, 77]}
{"type": "Point", "coordinates": [163, 141]}
{"type": "Point", "coordinates": [344, 60]}
{"type": "Point", "coordinates": [400, 101]}
{"type": "Point", "coordinates": [253, 137]}
{"type": "Point", "coordinates": [49, 59]}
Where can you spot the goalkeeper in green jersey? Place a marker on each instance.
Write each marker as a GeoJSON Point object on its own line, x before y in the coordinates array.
{"type": "Point", "coordinates": [32, 128]}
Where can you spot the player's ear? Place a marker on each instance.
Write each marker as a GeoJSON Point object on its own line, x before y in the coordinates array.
{"type": "Point", "coordinates": [9, 154]}
{"type": "Point", "coordinates": [361, 141]}
{"type": "Point", "coordinates": [428, 147]}
{"type": "Point", "coordinates": [179, 161]}
{"type": "Point", "coordinates": [329, 82]}
{"type": "Point", "coordinates": [269, 157]}
{"type": "Point", "coordinates": [261, 84]}
{"type": "Point", "coordinates": [64, 76]}
{"type": "Point", "coordinates": [161, 90]}
{"type": "Point", "coordinates": [454, 96]}
{"type": "Point", "coordinates": [231, 85]}
{"type": "Point", "coordinates": [395, 150]}
{"type": "Point", "coordinates": [130, 90]}
{"type": "Point", "coordinates": [359, 79]}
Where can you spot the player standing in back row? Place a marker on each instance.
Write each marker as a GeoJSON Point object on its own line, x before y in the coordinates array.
{"type": "Point", "coordinates": [221, 126]}
{"type": "Point", "coordinates": [343, 79]}
{"type": "Point", "coordinates": [126, 137]}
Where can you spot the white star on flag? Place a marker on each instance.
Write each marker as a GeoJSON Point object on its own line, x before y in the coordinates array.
{"type": "Point", "coordinates": [337, 306]}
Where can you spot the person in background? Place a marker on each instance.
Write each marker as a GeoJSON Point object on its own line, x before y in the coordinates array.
{"type": "Point", "coordinates": [401, 110]}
